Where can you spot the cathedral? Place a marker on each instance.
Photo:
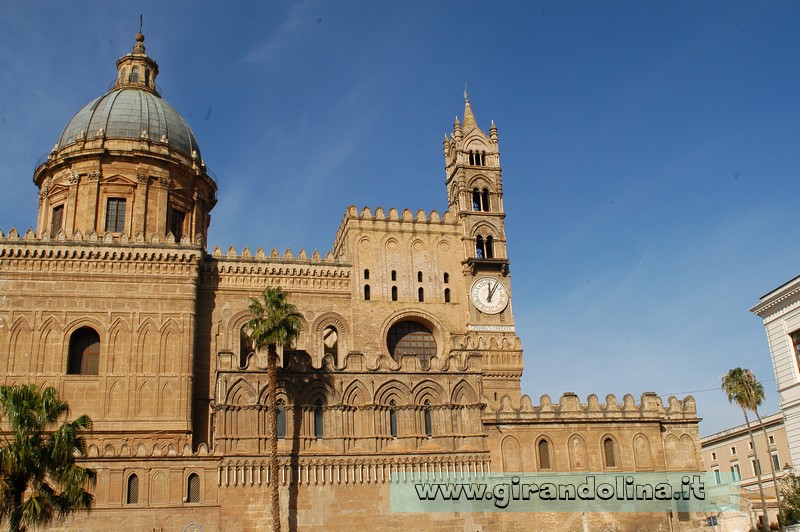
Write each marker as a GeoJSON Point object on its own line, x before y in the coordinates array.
{"type": "Point", "coordinates": [407, 362]}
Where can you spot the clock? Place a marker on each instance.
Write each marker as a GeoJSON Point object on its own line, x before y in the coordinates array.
{"type": "Point", "coordinates": [489, 295]}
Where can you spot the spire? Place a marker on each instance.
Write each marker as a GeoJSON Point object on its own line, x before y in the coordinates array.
{"type": "Point", "coordinates": [136, 69]}
{"type": "Point", "coordinates": [469, 118]}
{"type": "Point", "coordinates": [493, 132]}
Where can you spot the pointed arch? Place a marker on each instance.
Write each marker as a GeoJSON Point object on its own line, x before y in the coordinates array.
{"type": "Point", "coordinates": [168, 400]}
{"type": "Point", "coordinates": [170, 352]}
{"type": "Point", "coordinates": [356, 394]}
{"type": "Point", "coordinates": [21, 345]}
{"type": "Point", "coordinates": [610, 452]}
{"type": "Point", "coordinates": [119, 347]}
{"type": "Point", "coordinates": [241, 393]}
{"type": "Point", "coordinates": [512, 462]}
{"type": "Point", "coordinates": [393, 390]}
{"type": "Point", "coordinates": [463, 394]}
{"type": "Point", "coordinates": [544, 453]}
{"type": "Point", "coordinates": [577, 453]}
{"type": "Point", "coordinates": [428, 390]}
{"type": "Point", "coordinates": [147, 347]}
{"type": "Point", "coordinates": [687, 452]}
{"type": "Point", "coordinates": [115, 400]}
{"type": "Point", "coordinates": [158, 488]}
{"type": "Point", "coordinates": [145, 399]}
{"type": "Point", "coordinates": [642, 453]}
{"type": "Point", "coordinates": [671, 452]}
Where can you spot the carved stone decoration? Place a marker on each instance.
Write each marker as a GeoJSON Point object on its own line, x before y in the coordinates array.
{"type": "Point", "coordinates": [142, 178]}
{"type": "Point", "coordinates": [164, 182]}
{"type": "Point", "coordinates": [74, 179]}
{"type": "Point", "coordinates": [93, 176]}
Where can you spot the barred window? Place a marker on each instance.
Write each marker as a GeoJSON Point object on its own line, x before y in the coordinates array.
{"type": "Point", "coordinates": [411, 338]}
{"type": "Point", "coordinates": [193, 488]}
{"type": "Point", "coordinates": [609, 453]}
{"type": "Point", "coordinates": [544, 454]}
{"type": "Point", "coordinates": [132, 495]}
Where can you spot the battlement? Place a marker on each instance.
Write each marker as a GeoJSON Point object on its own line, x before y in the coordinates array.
{"type": "Point", "coordinates": [569, 408]}
{"type": "Point", "coordinates": [366, 215]}
{"type": "Point", "coordinates": [274, 256]}
{"type": "Point", "coordinates": [105, 238]}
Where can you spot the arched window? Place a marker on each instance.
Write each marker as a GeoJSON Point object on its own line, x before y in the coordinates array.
{"type": "Point", "coordinates": [483, 158]}
{"type": "Point", "coordinates": [393, 418]}
{"type": "Point", "coordinates": [428, 422]}
{"type": "Point", "coordinates": [485, 199]}
{"type": "Point", "coordinates": [411, 338]}
{"type": "Point", "coordinates": [447, 295]}
{"type": "Point", "coordinates": [394, 275]}
{"type": "Point", "coordinates": [134, 75]}
{"type": "Point", "coordinates": [366, 274]}
{"type": "Point", "coordinates": [318, 425]}
{"type": "Point", "coordinates": [609, 453]}
{"type": "Point", "coordinates": [147, 76]}
{"type": "Point", "coordinates": [489, 247]}
{"type": "Point", "coordinates": [421, 294]}
{"type": "Point", "coordinates": [84, 352]}
{"type": "Point", "coordinates": [544, 454]}
{"type": "Point", "coordinates": [471, 157]}
{"type": "Point", "coordinates": [480, 248]}
{"type": "Point", "coordinates": [280, 413]}
{"type": "Point", "coordinates": [419, 277]}
{"type": "Point", "coordinates": [446, 277]}
{"type": "Point", "coordinates": [476, 199]}
{"type": "Point", "coordinates": [366, 292]}
{"type": "Point", "coordinates": [394, 293]}
{"type": "Point", "coordinates": [132, 492]}
{"type": "Point", "coordinates": [330, 342]}
{"type": "Point", "coordinates": [193, 488]}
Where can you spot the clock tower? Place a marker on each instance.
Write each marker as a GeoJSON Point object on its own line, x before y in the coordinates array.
{"type": "Point", "coordinates": [473, 178]}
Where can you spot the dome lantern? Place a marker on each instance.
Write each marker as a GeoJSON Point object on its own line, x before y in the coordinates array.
{"type": "Point", "coordinates": [136, 69]}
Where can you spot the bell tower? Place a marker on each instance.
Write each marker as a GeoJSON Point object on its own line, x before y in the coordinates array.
{"type": "Point", "coordinates": [474, 184]}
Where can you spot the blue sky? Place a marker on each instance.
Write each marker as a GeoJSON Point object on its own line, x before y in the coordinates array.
{"type": "Point", "coordinates": [648, 151]}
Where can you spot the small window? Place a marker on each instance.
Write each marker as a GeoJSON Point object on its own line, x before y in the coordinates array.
{"type": "Point", "coordinates": [147, 76]}
{"type": "Point", "coordinates": [318, 425]}
{"type": "Point", "coordinates": [419, 277]}
{"type": "Point", "coordinates": [421, 294]}
{"type": "Point", "coordinates": [193, 488]}
{"type": "Point", "coordinates": [394, 293]}
{"type": "Point", "coordinates": [57, 220]}
{"type": "Point", "coordinates": [115, 215]}
{"type": "Point", "coordinates": [737, 475]}
{"type": "Point", "coordinates": [446, 277]}
{"type": "Point", "coordinates": [280, 413]}
{"type": "Point", "coordinates": [366, 292]}
{"type": "Point", "coordinates": [176, 224]}
{"type": "Point", "coordinates": [393, 418]}
{"type": "Point", "coordinates": [713, 457]}
{"type": "Point", "coordinates": [84, 352]}
{"type": "Point", "coordinates": [366, 274]}
{"type": "Point", "coordinates": [476, 199]}
{"type": "Point", "coordinates": [733, 451]}
{"type": "Point", "coordinates": [447, 295]}
{"type": "Point", "coordinates": [134, 75]}
{"type": "Point", "coordinates": [544, 454]}
{"type": "Point", "coordinates": [772, 440]}
{"type": "Point", "coordinates": [609, 453]}
{"type": "Point", "coordinates": [394, 275]}
{"type": "Point", "coordinates": [485, 199]}
{"type": "Point", "coordinates": [717, 477]}
{"type": "Point", "coordinates": [776, 463]}
{"type": "Point", "coordinates": [132, 493]}
{"type": "Point", "coordinates": [750, 445]}
{"type": "Point", "coordinates": [428, 421]}
{"type": "Point", "coordinates": [756, 465]}
{"type": "Point", "coordinates": [471, 157]}
{"type": "Point", "coordinates": [489, 247]}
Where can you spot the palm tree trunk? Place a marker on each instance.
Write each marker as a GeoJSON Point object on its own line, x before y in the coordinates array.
{"type": "Point", "coordinates": [771, 468]}
{"type": "Point", "coordinates": [765, 521]}
{"type": "Point", "coordinates": [272, 416]}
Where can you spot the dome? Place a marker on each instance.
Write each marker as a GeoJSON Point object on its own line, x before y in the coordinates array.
{"type": "Point", "coordinates": [131, 113]}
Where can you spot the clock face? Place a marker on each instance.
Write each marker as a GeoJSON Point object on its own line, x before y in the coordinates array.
{"type": "Point", "coordinates": [489, 295]}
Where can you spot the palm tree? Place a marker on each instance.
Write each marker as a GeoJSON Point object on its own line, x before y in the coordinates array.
{"type": "Point", "coordinates": [743, 388]}
{"type": "Point", "coordinates": [39, 479]}
{"type": "Point", "coordinates": [273, 322]}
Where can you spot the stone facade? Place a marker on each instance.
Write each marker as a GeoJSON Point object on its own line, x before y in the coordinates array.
{"type": "Point", "coordinates": [407, 362]}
